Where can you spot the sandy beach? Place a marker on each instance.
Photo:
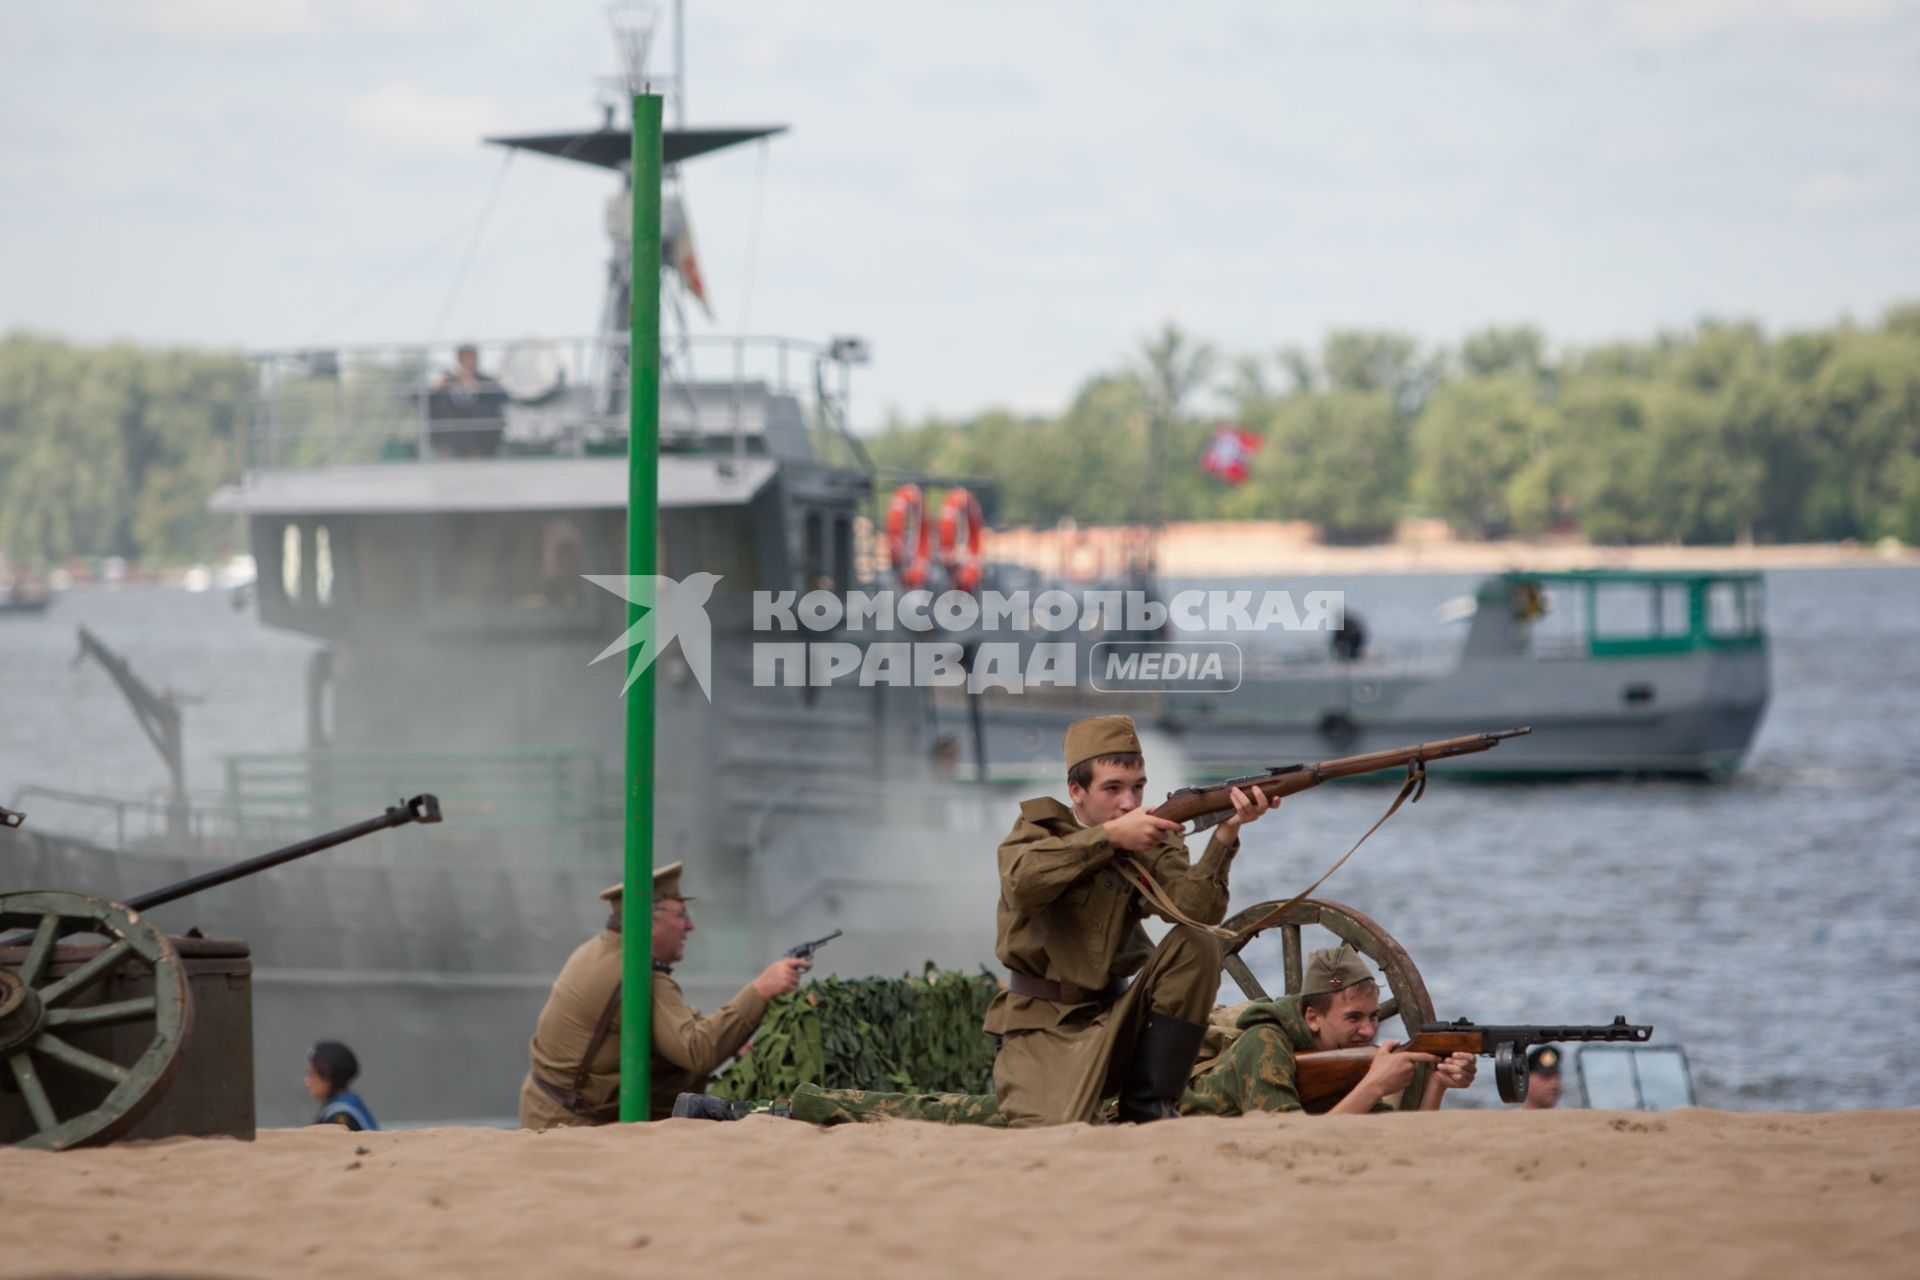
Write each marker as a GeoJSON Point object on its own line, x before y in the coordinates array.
{"type": "Point", "coordinates": [1568, 1194]}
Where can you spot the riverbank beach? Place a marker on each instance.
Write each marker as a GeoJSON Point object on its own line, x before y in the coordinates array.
{"type": "Point", "coordinates": [1212, 548]}
{"type": "Point", "coordinates": [1453, 1193]}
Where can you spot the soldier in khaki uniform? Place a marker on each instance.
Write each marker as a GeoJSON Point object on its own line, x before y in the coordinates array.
{"type": "Point", "coordinates": [1338, 1007]}
{"type": "Point", "coordinates": [574, 1076]}
{"type": "Point", "coordinates": [1073, 1030]}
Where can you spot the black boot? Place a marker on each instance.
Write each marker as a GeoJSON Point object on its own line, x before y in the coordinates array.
{"type": "Point", "coordinates": [1163, 1057]}
{"type": "Point", "coordinates": [704, 1106]}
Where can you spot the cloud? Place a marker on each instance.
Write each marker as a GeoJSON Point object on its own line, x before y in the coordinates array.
{"type": "Point", "coordinates": [1669, 24]}
{"type": "Point", "coordinates": [229, 21]}
{"type": "Point", "coordinates": [1872, 87]}
{"type": "Point", "coordinates": [414, 117]}
{"type": "Point", "coordinates": [1841, 189]}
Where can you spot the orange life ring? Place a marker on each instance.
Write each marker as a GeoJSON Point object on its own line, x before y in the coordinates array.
{"type": "Point", "coordinates": [961, 559]}
{"type": "Point", "coordinates": [908, 507]}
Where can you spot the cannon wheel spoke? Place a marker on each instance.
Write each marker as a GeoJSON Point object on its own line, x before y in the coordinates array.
{"type": "Point", "coordinates": [103, 1015]}
{"type": "Point", "coordinates": [147, 1003]}
{"type": "Point", "coordinates": [38, 1105]}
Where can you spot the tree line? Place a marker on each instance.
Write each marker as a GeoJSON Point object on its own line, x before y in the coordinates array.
{"type": "Point", "coordinates": [1716, 435]}
{"type": "Point", "coordinates": [114, 450]}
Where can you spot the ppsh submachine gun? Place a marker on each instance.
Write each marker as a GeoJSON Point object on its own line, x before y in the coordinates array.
{"type": "Point", "coordinates": [100, 1037]}
{"type": "Point", "coordinates": [1330, 1073]}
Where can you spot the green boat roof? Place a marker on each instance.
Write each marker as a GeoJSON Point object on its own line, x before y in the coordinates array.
{"type": "Point", "coordinates": [1648, 576]}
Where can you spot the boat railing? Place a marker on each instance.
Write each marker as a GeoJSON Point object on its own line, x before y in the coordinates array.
{"type": "Point", "coordinates": [1310, 656]}
{"type": "Point", "coordinates": [484, 786]}
{"type": "Point", "coordinates": [564, 397]}
{"type": "Point", "coordinates": [90, 816]}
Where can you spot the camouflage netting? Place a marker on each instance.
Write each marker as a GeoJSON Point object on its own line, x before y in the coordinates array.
{"type": "Point", "coordinates": [901, 1034]}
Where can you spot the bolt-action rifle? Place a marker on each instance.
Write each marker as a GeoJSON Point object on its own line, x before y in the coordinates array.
{"type": "Point", "coordinates": [1325, 1075]}
{"type": "Point", "coordinates": [1207, 806]}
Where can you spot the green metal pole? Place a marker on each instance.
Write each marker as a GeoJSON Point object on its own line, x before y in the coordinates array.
{"type": "Point", "coordinates": [643, 508]}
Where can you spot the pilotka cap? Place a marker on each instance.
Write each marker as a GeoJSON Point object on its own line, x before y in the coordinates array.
{"type": "Point", "coordinates": [666, 886]}
{"type": "Point", "coordinates": [1101, 736]}
{"type": "Point", "coordinates": [1335, 969]}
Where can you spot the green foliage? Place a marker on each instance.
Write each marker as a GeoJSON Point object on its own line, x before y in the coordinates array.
{"type": "Point", "coordinates": [113, 450]}
{"type": "Point", "coordinates": [902, 1035]}
{"type": "Point", "coordinates": [1712, 435]}
{"type": "Point", "coordinates": [1715, 435]}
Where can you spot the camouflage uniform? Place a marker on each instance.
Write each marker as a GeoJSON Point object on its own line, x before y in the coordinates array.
{"type": "Point", "coordinates": [845, 1106]}
{"type": "Point", "coordinates": [1256, 1071]}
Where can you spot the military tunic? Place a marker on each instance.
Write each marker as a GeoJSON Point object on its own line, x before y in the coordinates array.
{"type": "Point", "coordinates": [1258, 1070]}
{"type": "Point", "coordinates": [1067, 915]}
{"type": "Point", "coordinates": [686, 1047]}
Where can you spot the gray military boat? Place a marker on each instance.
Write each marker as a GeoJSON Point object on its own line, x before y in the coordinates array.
{"type": "Point", "coordinates": [435, 528]}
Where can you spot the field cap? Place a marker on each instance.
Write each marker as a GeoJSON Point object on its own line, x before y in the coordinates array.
{"type": "Point", "coordinates": [1101, 736]}
{"type": "Point", "coordinates": [1334, 969]}
{"type": "Point", "coordinates": [1545, 1060]}
{"type": "Point", "coordinates": [666, 886]}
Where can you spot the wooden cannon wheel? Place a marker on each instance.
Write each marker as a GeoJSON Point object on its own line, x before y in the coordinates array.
{"type": "Point", "coordinates": [1406, 996]}
{"type": "Point", "coordinates": [39, 1013]}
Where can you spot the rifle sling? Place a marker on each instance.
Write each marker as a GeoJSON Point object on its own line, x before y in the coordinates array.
{"type": "Point", "coordinates": [1411, 789]}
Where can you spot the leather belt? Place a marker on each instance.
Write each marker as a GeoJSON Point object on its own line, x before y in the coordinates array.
{"type": "Point", "coordinates": [606, 1113]}
{"type": "Point", "coordinates": [1026, 984]}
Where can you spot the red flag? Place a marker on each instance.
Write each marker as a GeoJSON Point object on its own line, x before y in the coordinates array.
{"type": "Point", "coordinates": [677, 233]}
{"type": "Point", "coordinates": [1230, 453]}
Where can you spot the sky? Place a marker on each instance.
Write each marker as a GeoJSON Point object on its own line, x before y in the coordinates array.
{"type": "Point", "coordinates": [1003, 199]}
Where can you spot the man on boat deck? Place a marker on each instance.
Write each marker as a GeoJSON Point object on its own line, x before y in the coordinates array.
{"type": "Point", "coordinates": [1073, 1029]}
{"type": "Point", "coordinates": [574, 1075]}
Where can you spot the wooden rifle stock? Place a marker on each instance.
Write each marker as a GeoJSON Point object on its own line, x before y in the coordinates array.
{"type": "Point", "coordinates": [1324, 1076]}
{"type": "Point", "coordinates": [1205, 806]}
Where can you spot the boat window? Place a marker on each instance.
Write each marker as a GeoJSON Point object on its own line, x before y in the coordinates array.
{"type": "Point", "coordinates": [1624, 610]}
{"type": "Point", "coordinates": [1729, 612]}
{"type": "Point", "coordinates": [1559, 619]}
{"type": "Point", "coordinates": [290, 561]}
{"type": "Point", "coordinates": [322, 566]}
{"type": "Point", "coordinates": [521, 561]}
{"type": "Point", "coordinates": [1672, 613]}
{"type": "Point", "coordinates": [381, 552]}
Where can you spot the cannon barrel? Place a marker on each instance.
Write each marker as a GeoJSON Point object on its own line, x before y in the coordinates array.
{"type": "Point", "coordinates": [424, 808]}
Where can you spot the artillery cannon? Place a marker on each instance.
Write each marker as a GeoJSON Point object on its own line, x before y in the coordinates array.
{"type": "Point", "coordinates": [94, 1033]}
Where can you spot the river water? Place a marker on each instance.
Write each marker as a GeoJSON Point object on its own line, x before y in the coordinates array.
{"type": "Point", "coordinates": [1768, 923]}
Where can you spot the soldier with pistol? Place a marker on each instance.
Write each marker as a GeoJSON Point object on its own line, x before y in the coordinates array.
{"type": "Point", "coordinates": [574, 1074]}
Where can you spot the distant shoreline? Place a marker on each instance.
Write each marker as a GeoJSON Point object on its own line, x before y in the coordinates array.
{"type": "Point", "coordinates": [1209, 549]}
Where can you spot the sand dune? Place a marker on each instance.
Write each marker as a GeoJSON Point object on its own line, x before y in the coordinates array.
{"type": "Point", "coordinates": [1566, 1194]}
